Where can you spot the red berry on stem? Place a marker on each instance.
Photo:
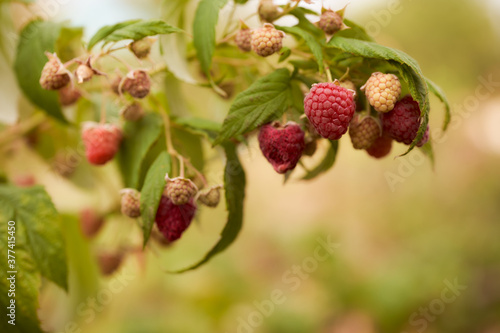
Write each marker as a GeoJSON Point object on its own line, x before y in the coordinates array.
{"type": "Point", "coordinates": [403, 121]}
{"type": "Point", "coordinates": [172, 220]}
{"type": "Point", "coordinates": [101, 141]}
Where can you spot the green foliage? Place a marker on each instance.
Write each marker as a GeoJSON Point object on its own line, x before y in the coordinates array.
{"type": "Point", "coordinates": [206, 17]}
{"type": "Point", "coordinates": [134, 29]}
{"type": "Point", "coordinates": [327, 162]}
{"type": "Point", "coordinates": [234, 187]}
{"type": "Point", "coordinates": [33, 211]}
{"type": "Point", "coordinates": [138, 139]}
{"type": "Point", "coordinates": [311, 42]}
{"type": "Point", "coordinates": [37, 38]}
{"type": "Point", "coordinates": [265, 100]}
{"type": "Point", "coordinates": [151, 192]}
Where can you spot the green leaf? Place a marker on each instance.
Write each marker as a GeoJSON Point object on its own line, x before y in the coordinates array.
{"type": "Point", "coordinates": [69, 43]}
{"type": "Point", "coordinates": [27, 280]}
{"type": "Point", "coordinates": [285, 52]}
{"type": "Point", "coordinates": [356, 31]}
{"type": "Point", "coordinates": [34, 210]}
{"type": "Point", "coordinates": [436, 90]}
{"type": "Point", "coordinates": [138, 138]}
{"type": "Point", "coordinates": [327, 162]}
{"type": "Point", "coordinates": [151, 192]}
{"type": "Point", "coordinates": [266, 99]}
{"type": "Point", "coordinates": [304, 23]}
{"type": "Point", "coordinates": [135, 31]}
{"type": "Point", "coordinates": [234, 186]}
{"type": "Point", "coordinates": [205, 127]}
{"type": "Point", "coordinates": [311, 42]}
{"type": "Point", "coordinates": [429, 152]}
{"type": "Point", "coordinates": [407, 66]}
{"type": "Point", "coordinates": [189, 145]}
{"type": "Point", "coordinates": [105, 31]}
{"type": "Point", "coordinates": [36, 38]}
{"type": "Point", "coordinates": [205, 21]}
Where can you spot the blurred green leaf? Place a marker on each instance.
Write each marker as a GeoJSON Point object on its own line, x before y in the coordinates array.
{"type": "Point", "coordinates": [205, 21]}
{"type": "Point", "coordinates": [311, 42]}
{"type": "Point", "coordinates": [138, 138]}
{"type": "Point", "coordinates": [34, 210]}
{"type": "Point", "coordinates": [327, 162]}
{"type": "Point", "coordinates": [35, 39]}
{"type": "Point", "coordinates": [205, 127]}
{"type": "Point", "coordinates": [356, 31]}
{"type": "Point", "coordinates": [27, 279]}
{"type": "Point", "coordinates": [151, 192]}
{"type": "Point", "coordinates": [407, 66]}
{"type": "Point", "coordinates": [266, 99]}
{"type": "Point", "coordinates": [436, 90]}
{"type": "Point", "coordinates": [69, 43]}
{"type": "Point", "coordinates": [189, 145]}
{"type": "Point", "coordinates": [304, 23]}
{"type": "Point", "coordinates": [134, 30]}
{"type": "Point", "coordinates": [285, 52]}
{"type": "Point", "coordinates": [234, 186]}
{"type": "Point", "coordinates": [429, 152]}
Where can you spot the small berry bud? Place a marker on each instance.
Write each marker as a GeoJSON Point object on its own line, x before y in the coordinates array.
{"type": "Point", "coordinates": [137, 83]}
{"type": "Point", "coordinates": [132, 112]}
{"type": "Point", "coordinates": [330, 22]}
{"type": "Point", "coordinates": [131, 202]}
{"type": "Point", "coordinates": [267, 40]}
{"type": "Point", "coordinates": [142, 47]}
{"type": "Point", "coordinates": [180, 190]}
{"type": "Point", "coordinates": [54, 75]}
{"type": "Point", "coordinates": [210, 197]}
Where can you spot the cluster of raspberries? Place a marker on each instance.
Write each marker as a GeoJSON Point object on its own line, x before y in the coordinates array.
{"type": "Point", "coordinates": [331, 110]}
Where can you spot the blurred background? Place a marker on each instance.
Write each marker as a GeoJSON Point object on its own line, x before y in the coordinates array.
{"type": "Point", "coordinates": [415, 249]}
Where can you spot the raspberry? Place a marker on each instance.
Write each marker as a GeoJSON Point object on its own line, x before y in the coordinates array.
{"type": "Point", "coordinates": [329, 108]}
{"type": "Point", "coordinates": [26, 180]}
{"type": "Point", "coordinates": [84, 73]}
{"type": "Point", "coordinates": [425, 138]}
{"type": "Point", "coordinates": [172, 220]}
{"type": "Point", "coordinates": [330, 22]}
{"type": "Point", "coordinates": [115, 84]}
{"type": "Point", "coordinates": [282, 145]}
{"type": "Point", "coordinates": [142, 47]}
{"type": "Point", "coordinates": [403, 122]}
{"type": "Point", "coordinates": [131, 202]}
{"type": "Point", "coordinates": [243, 40]}
{"type": "Point", "coordinates": [180, 190]}
{"type": "Point", "coordinates": [382, 91]}
{"type": "Point", "coordinates": [90, 222]}
{"type": "Point", "coordinates": [137, 83]}
{"type": "Point", "coordinates": [101, 142]}
{"type": "Point", "coordinates": [381, 147]}
{"type": "Point", "coordinates": [268, 11]}
{"type": "Point", "coordinates": [364, 131]}
{"type": "Point", "coordinates": [267, 40]}
{"type": "Point", "coordinates": [54, 75]}
{"type": "Point", "coordinates": [109, 262]}
{"type": "Point", "coordinates": [210, 197]}
{"type": "Point", "coordinates": [69, 95]}
{"type": "Point", "coordinates": [132, 112]}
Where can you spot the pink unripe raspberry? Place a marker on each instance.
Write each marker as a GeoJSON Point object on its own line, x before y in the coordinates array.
{"type": "Point", "coordinates": [403, 121]}
{"type": "Point", "coordinates": [382, 91]}
{"type": "Point", "coordinates": [364, 131]}
{"type": "Point", "coordinates": [69, 95]}
{"type": "Point", "coordinates": [132, 112]}
{"type": "Point", "coordinates": [268, 11]}
{"type": "Point", "coordinates": [243, 40]}
{"type": "Point", "coordinates": [329, 109]}
{"type": "Point", "coordinates": [330, 22]}
{"type": "Point", "coordinates": [180, 190]}
{"type": "Point", "coordinates": [267, 40]}
{"type": "Point", "coordinates": [90, 222]}
{"type": "Point", "coordinates": [101, 141]}
{"type": "Point", "coordinates": [282, 145]}
{"type": "Point", "coordinates": [172, 220]}
{"type": "Point", "coordinates": [381, 147]}
{"type": "Point", "coordinates": [137, 83]}
{"type": "Point", "coordinates": [130, 202]}
{"type": "Point", "coordinates": [54, 75]}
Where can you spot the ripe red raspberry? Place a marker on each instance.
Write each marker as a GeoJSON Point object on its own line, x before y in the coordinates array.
{"type": "Point", "coordinates": [54, 75]}
{"type": "Point", "coordinates": [425, 138]}
{"type": "Point", "coordinates": [403, 122]}
{"type": "Point", "coordinates": [381, 147]}
{"type": "Point", "coordinates": [172, 220]}
{"type": "Point", "coordinates": [130, 202]}
{"type": "Point", "coordinates": [101, 141]}
{"type": "Point", "coordinates": [330, 22]}
{"type": "Point", "coordinates": [282, 145]}
{"type": "Point", "coordinates": [210, 197]}
{"type": "Point", "coordinates": [132, 112]}
{"type": "Point", "coordinates": [268, 11]}
{"type": "Point", "coordinates": [137, 83]}
{"type": "Point", "coordinates": [267, 40]}
{"type": "Point", "coordinates": [382, 91]}
{"type": "Point", "coordinates": [329, 108]}
{"type": "Point", "coordinates": [69, 95]}
{"type": "Point", "coordinates": [364, 131]}
{"type": "Point", "coordinates": [180, 190]}
{"type": "Point", "coordinates": [243, 40]}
